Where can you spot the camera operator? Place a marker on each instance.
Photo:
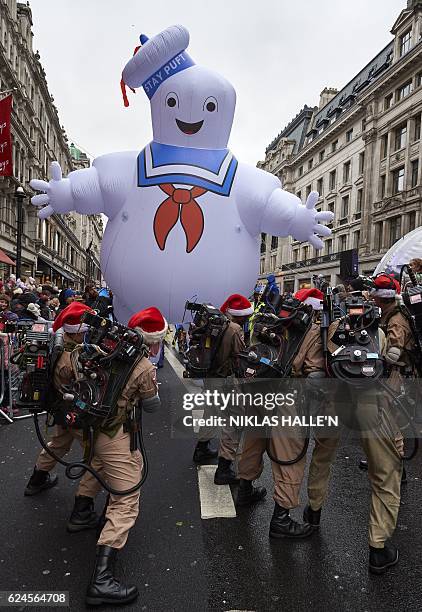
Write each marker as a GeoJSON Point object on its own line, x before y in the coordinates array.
{"type": "Point", "coordinates": [238, 309]}
{"type": "Point", "coordinates": [308, 362]}
{"type": "Point", "coordinates": [119, 465]}
{"type": "Point", "coordinates": [380, 439]}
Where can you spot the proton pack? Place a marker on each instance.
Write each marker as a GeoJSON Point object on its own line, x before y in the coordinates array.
{"type": "Point", "coordinates": [412, 300]}
{"type": "Point", "coordinates": [33, 359]}
{"type": "Point", "coordinates": [205, 335]}
{"type": "Point", "coordinates": [103, 365]}
{"type": "Point", "coordinates": [358, 353]}
{"type": "Point", "coordinates": [280, 329]}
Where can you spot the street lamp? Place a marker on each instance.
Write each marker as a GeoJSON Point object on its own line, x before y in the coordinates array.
{"type": "Point", "coordinates": [20, 195]}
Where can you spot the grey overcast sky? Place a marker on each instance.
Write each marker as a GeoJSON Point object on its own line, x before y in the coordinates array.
{"type": "Point", "coordinates": [279, 55]}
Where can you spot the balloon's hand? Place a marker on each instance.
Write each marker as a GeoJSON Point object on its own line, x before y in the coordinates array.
{"type": "Point", "coordinates": [307, 226]}
{"type": "Point", "coordinates": [56, 196]}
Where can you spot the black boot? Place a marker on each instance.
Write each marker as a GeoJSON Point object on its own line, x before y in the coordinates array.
{"type": "Point", "coordinates": [224, 474]}
{"type": "Point", "coordinates": [83, 515]}
{"type": "Point", "coordinates": [283, 526]}
{"type": "Point", "coordinates": [312, 517]}
{"type": "Point", "coordinates": [104, 587]}
{"type": "Point", "coordinates": [380, 559]}
{"type": "Point", "coordinates": [203, 452]}
{"type": "Point", "coordinates": [248, 494]}
{"type": "Point", "coordinates": [39, 481]}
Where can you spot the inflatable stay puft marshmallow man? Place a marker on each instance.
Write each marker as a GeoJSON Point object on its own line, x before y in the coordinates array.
{"type": "Point", "coordinates": [184, 216]}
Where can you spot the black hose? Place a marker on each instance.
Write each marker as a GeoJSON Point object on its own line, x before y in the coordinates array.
{"type": "Point", "coordinates": [290, 461]}
{"type": "Point", "coordinates": [87, 468]}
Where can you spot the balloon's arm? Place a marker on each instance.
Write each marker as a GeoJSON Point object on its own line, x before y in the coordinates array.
{"type": "Point", "coordinates": [102, 188]}
{"type": "Point", "coordinates": [285, 215]}
{"type": "Point", "coordinates": [79, 191]}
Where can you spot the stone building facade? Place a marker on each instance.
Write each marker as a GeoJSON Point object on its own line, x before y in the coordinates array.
{"type": "Point", "coordinates": [53, 249]}
{"type": "Point", "coordinates": [361, 150]}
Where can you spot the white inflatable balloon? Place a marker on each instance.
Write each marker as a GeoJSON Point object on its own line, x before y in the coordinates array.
{"type": "Point", "coordinates": [185, 217]}
{"type": "Point", "coordinates": [407, 248]}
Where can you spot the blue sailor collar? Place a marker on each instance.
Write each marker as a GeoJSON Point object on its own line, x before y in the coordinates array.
{"type": "Point", "coordinates": [212, 169]}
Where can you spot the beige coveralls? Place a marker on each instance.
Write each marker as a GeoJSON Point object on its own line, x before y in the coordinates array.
{"type": "Point", "coordinates": [232, 343]}
{"type": "Point", "coordinates": [381, 440]}
{"type": "Point", "coordinates": [287, 478]}
{"type": "Point", "coordinates": [113, 458]}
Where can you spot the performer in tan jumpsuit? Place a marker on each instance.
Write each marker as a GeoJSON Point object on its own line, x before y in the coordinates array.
{"type": "Point", "coordinates": [120, 467]}
{"type": "Point", "coordinates": [309, 361]}
{"type": "Point", "coordinates": [381, 438]}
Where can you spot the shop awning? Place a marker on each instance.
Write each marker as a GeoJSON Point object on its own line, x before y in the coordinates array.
{"type": "Point", "coordinates": [57, 268]}
{"type": "Point", "coordinates": [6, 259]}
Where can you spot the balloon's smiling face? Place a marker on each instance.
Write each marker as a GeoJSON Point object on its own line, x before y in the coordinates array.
{"type": "Point", "coordinates": [194, 108]}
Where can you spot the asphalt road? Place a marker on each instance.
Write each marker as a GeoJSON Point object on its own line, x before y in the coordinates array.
{"type": "Point", "coordinates": [182, 563]}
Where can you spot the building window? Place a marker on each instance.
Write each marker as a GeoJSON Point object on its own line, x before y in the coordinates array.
{"type": "Point", "coordinates": [356, 239]}
{"type": "Point", "coordinates": [301, 171]}
{"type": "Point", "coordinates": [416, 128]}
{"type": "Point", "coordinates": [378, 236]}
{"type": "Point", "coordinates": [331, 207]}
{"type": "Point", "coordinates": [361, 162]}
{"type": "Point", "coordinates": [342, 243]}
{"type": "Point", "coordinates": [333, 174]}
{"type": "Point", "coordinates": [415, 172]}
{"type": "Point", "coordinates": [263, 239]}
{"type": "Point", "coordinates": [310, 164]}
{"type": "Point", "coordinates": [382, 185]}
{"type": "Point", "coordinates": [349, 135]}
{"type": "Point", "coordinates": [412, 221]}
{"type": "Point", "coordinates": [334, 146]}
{"type": "Point", "coordinates": [395, 229]}
{"type": "Point", "coordinates": [299, 195]}
{"type": "Point", "coordinates": [388, 101]}
{"type": "Point", "coordinates": [321, 155]}
{"type": "Point", "coordinates": [405, 41]}
{"type": "Point", "coordinates": [398, 180]}
{"type": "Point", "coordinates": [273, 262]}
{"type": "Point", "coordinates": [305, 252]}
{"type": "Point", "coordinates": [419, 79]}
{"type": "Point", "coordinates": [274, 242]}
{"type": "Point", "coordinates": [384, 146]}
{"type": "Point", "coordinates": [328, 246]}
{"type": "Point", "coordinates": [404, 90]}
{"type": "Point", "coordinates": [320, 186]}
{"type": "Point", "coordinates": [344, 212]}
{"type": "Point", "coordinates": [346, 172]}
{"type": "Point", "coordinates": [400, 135]}
{"type": "Point", "coordinates": [308, 190]}
{"type": "Point", "coordinates": [359, 201]}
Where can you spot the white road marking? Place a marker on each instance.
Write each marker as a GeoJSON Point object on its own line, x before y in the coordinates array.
{"type": "Point", "coordinates": [216, 500]}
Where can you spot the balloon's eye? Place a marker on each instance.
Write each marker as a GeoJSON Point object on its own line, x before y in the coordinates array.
{"type": "Point", "coordinates": [171, 102]}
{"type": "Point", "coordinates": [211, 107]}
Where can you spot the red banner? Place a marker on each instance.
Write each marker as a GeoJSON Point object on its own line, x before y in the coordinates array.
{"type": "Point", "coordinates": [6, 164]}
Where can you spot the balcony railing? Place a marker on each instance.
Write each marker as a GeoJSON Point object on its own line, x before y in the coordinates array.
{"type": "Point", "coordinates": [313, 261]}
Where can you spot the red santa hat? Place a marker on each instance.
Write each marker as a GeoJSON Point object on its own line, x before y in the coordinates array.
{"type": "Point", "coordinates": [385, 286]}
{"type": "Point", "coordinates": [70, 318]}
{"type": "Point", "coordinates": [314, 297]}
{"type": "Point", "coordinates": [150, 323]}
{"type": "Point", "coordinates": [237, 305]}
